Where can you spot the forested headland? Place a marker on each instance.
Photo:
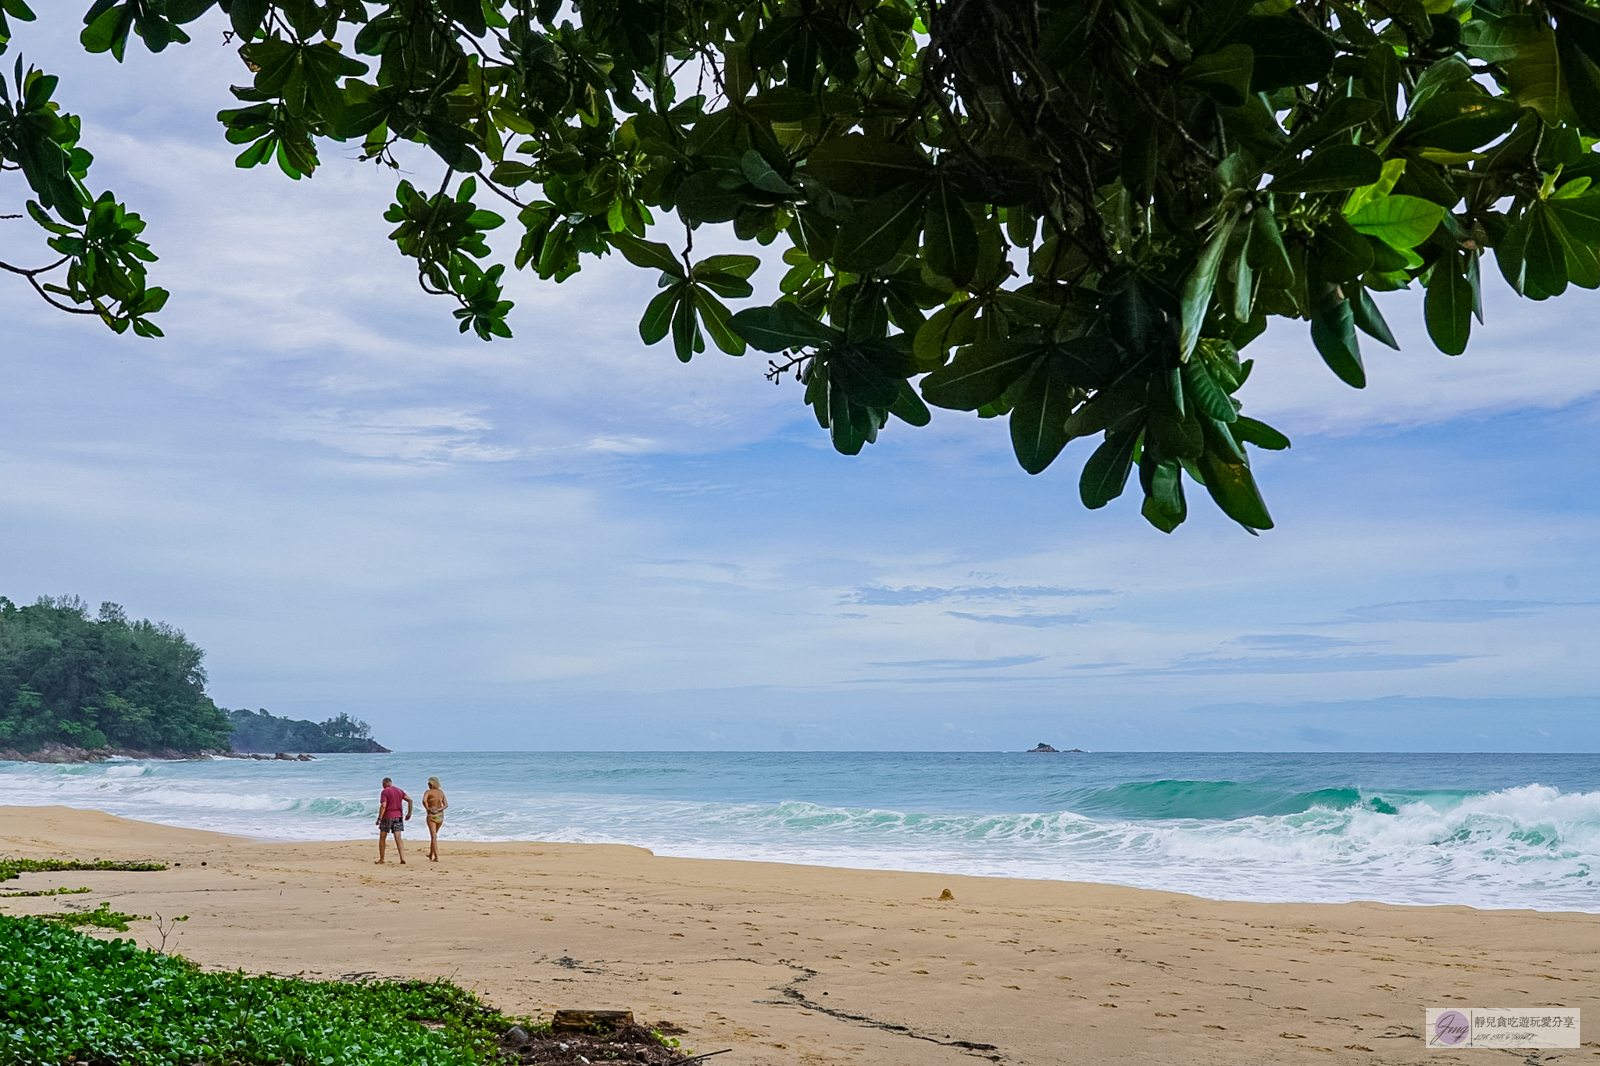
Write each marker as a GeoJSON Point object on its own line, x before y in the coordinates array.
{"type": "Point", "coordinates": [258, 731]}
{"type": "Point", "coordinates": [86, 685]}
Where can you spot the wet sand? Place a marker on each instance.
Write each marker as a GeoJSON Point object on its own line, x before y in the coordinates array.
{"type": "Point", "coordinates": [810, 965]}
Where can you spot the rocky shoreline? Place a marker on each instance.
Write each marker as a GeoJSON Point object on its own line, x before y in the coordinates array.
{"type": "Point", "coordinates": [66, 753]}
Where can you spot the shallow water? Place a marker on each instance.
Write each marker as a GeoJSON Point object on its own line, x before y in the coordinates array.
{"type": "Point", "coordinates": [1485, 830]}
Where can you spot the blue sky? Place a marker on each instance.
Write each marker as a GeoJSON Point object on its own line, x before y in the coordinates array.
{"type": "Point", "coordinates": [569, 540]}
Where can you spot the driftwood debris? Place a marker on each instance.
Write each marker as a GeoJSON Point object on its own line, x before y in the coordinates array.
{"type": "Point", "coordinates": [588, 1021]}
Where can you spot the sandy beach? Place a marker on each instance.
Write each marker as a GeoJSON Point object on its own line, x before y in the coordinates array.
{"type": "Point", "coordinates": [809, 965]}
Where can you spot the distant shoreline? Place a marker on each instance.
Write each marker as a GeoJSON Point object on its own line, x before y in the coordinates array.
{"type": "Point", "coordinates": [66, 754]}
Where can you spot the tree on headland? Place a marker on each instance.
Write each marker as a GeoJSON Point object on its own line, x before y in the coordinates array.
{"type": "Point", "coordinates": [346, 728]}
{"type": "Point", "coordinates": [1073, 214]}
{"type": "Point", "coordinates": [102, 681]}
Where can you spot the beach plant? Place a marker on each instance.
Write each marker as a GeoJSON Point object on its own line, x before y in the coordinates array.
{"type": "Point", "coordinates": [102, 917]}
{"type": "Point", "coordinates": [1074, 215]}
{"type": "Point", "coordinates": [10, 869]}
{"type": "Point", "coordinates": [69, 997]}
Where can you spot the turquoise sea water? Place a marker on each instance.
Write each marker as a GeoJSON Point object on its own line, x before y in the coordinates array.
{"type": "Point", "coordinates": [1486, 830]}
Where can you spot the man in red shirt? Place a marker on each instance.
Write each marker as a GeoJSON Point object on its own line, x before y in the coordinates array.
{"type": "Point", "coordinates": [390, 819]}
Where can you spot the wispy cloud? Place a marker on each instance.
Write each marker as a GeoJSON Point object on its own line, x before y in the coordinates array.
{"type": "Point", "coordinates": [414, 434]}
{"type": "Point", "coordinates": [910, 596]}
{"type": "Point", "coordinates": [965, 664]}
{"type": "Point", "coordinates": [1449, 610]}
{"type": "Point", "coordinates": [1357, 662]}
{"type": "Point", "coordinates": [1301, 642]}
{"type": "Point", "coordinates": [1032, 621]}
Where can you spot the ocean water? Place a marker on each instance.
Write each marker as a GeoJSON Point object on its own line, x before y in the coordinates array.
{"type": "Point", "coordinates": [1486, 830]}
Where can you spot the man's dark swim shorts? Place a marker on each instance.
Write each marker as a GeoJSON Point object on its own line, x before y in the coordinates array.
{"type": "Point", "coordinates": [391, 825]}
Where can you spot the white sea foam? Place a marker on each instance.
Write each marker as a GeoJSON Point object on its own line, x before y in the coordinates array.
{"type": "Point", "coordinates": [1526, 845]}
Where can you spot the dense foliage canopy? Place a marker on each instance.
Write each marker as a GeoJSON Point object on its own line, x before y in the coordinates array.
{"type": "Point", "coordinates": [96, 682]}
{"type": "Point", "coordinates": [1070, 213]}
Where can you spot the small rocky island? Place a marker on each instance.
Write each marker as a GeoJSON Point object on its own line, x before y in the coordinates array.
{"type": "Point", "coordinates": [1046, 749]}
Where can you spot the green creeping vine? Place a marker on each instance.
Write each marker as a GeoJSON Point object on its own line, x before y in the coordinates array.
{"type": "Point", "coordinates": [11, 868]}
{"type": "Point", "coordinates": [1072, 214]}
{"type": "Point", "coordinates": [67, 997]}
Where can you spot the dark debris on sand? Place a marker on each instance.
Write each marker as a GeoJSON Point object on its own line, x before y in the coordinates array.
{"type": "Point", "coordinates": [633, 1043]}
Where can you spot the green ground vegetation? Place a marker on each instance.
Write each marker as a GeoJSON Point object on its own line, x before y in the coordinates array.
{"type": "Point", "coordinates": [102, 680]}
{"type": "Point", "coordinates": [69, 997]}
{"type": "Point", "coordinates": [11, 868]}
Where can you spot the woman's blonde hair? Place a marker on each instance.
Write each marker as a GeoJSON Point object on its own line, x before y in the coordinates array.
{"type": "Point", "coordinates": [433, 782]}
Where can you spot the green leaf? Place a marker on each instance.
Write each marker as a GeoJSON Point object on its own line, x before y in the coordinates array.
{"type": "Point", "coordinates": [949, 327]}
{"type": "Point", "coordinates": [758, 172]}
{"type": "Point", "coordinates": [657, 320]}
{"type": "Point", "coordinates": [1164, 504]}
{"type": "Point", "coordinates": [1038, 421]}
{"type": "Point", "coordinates": [1276, 263]}
{"type": "Point", "coordinates": [1331, 169]}
{"type": "Point", "coordinates": [1583, 86]}
{"type": "Point", "coordinates": [866, 168]}
{"type": "Point", "coordinates": [1393, 169]}
{"type": "Point", "coordinates": [782, 326]}
{"type": "Point", "coordinates": [1106, 473]}
{"type": "Point", "coordinates": [869, 371]}
{"type": "Point", "coordinates": [878, 230]}
{"type": "Point", "coordinates": [710, 196]}
{"type": "Point", "coordinates": [980, 373]}
{"type": "Point", "coordinates": [647, 254]}
{"type": "Point", "coordinates": [1259, 433]}
{"type": "Point", "coordinates": [1333, 331]}
{"type": "Point", "coordinates": [1448, 75]}
{"type": "Point", "coordinates": [908, 406]}
{"type": "Point", "coordinates": [1225, 74]}
{"type": "Point", "coordinates": [1288, 51]}
{"type": "Point", "coordinates": [246, 17]}
{"type": "Point", "coordinates": [1399, 221]}
{"type": "Point", "coordinates": [686, 336]}
{"type": "Point", "coordinates": [740, 266]}
{"type": "Point", "coordinates": [1198, 285]}
{"type": "Point", "coordinates": [1448, 304]}
{"type": "Point", "coordinates": [950, 240]}
{"type": "Point", "coordinates": [1369, 319]}
{"type": "Point", "coordinates": [1524, 48]}
{"type": "Point", "coordinates": [108, 32]}
{"type": "Point", "coordinates": [1342, 113]}
{"type": "Point", "coordinates": [1341, 254]}
{"type": "Point", "coordinates": [1177, 435]}
{"type": "Point", "coordinates": [1580, 215]}
{"type": "Point", "coordinates": [1458, 121]}
{"type": "Point", "coordinates": [1538, 255]}
{"type": "Point", "coordinates": [1233, 487]}
{"type": "Point", "coordinates": [1206, 393]}
{"type": "Point", "coordinates": [718, 322]}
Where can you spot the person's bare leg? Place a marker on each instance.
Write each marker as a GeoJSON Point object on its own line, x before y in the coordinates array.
{"type": "Point", "coordinates": [433, 841]}
{"type": "Point", "coordinates": [399, 849]}
{"type": "Point", "coordinates": [383, 839]}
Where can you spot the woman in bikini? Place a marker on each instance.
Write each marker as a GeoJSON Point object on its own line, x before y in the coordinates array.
{"type": "Point", "coordinates": [434, 803]}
